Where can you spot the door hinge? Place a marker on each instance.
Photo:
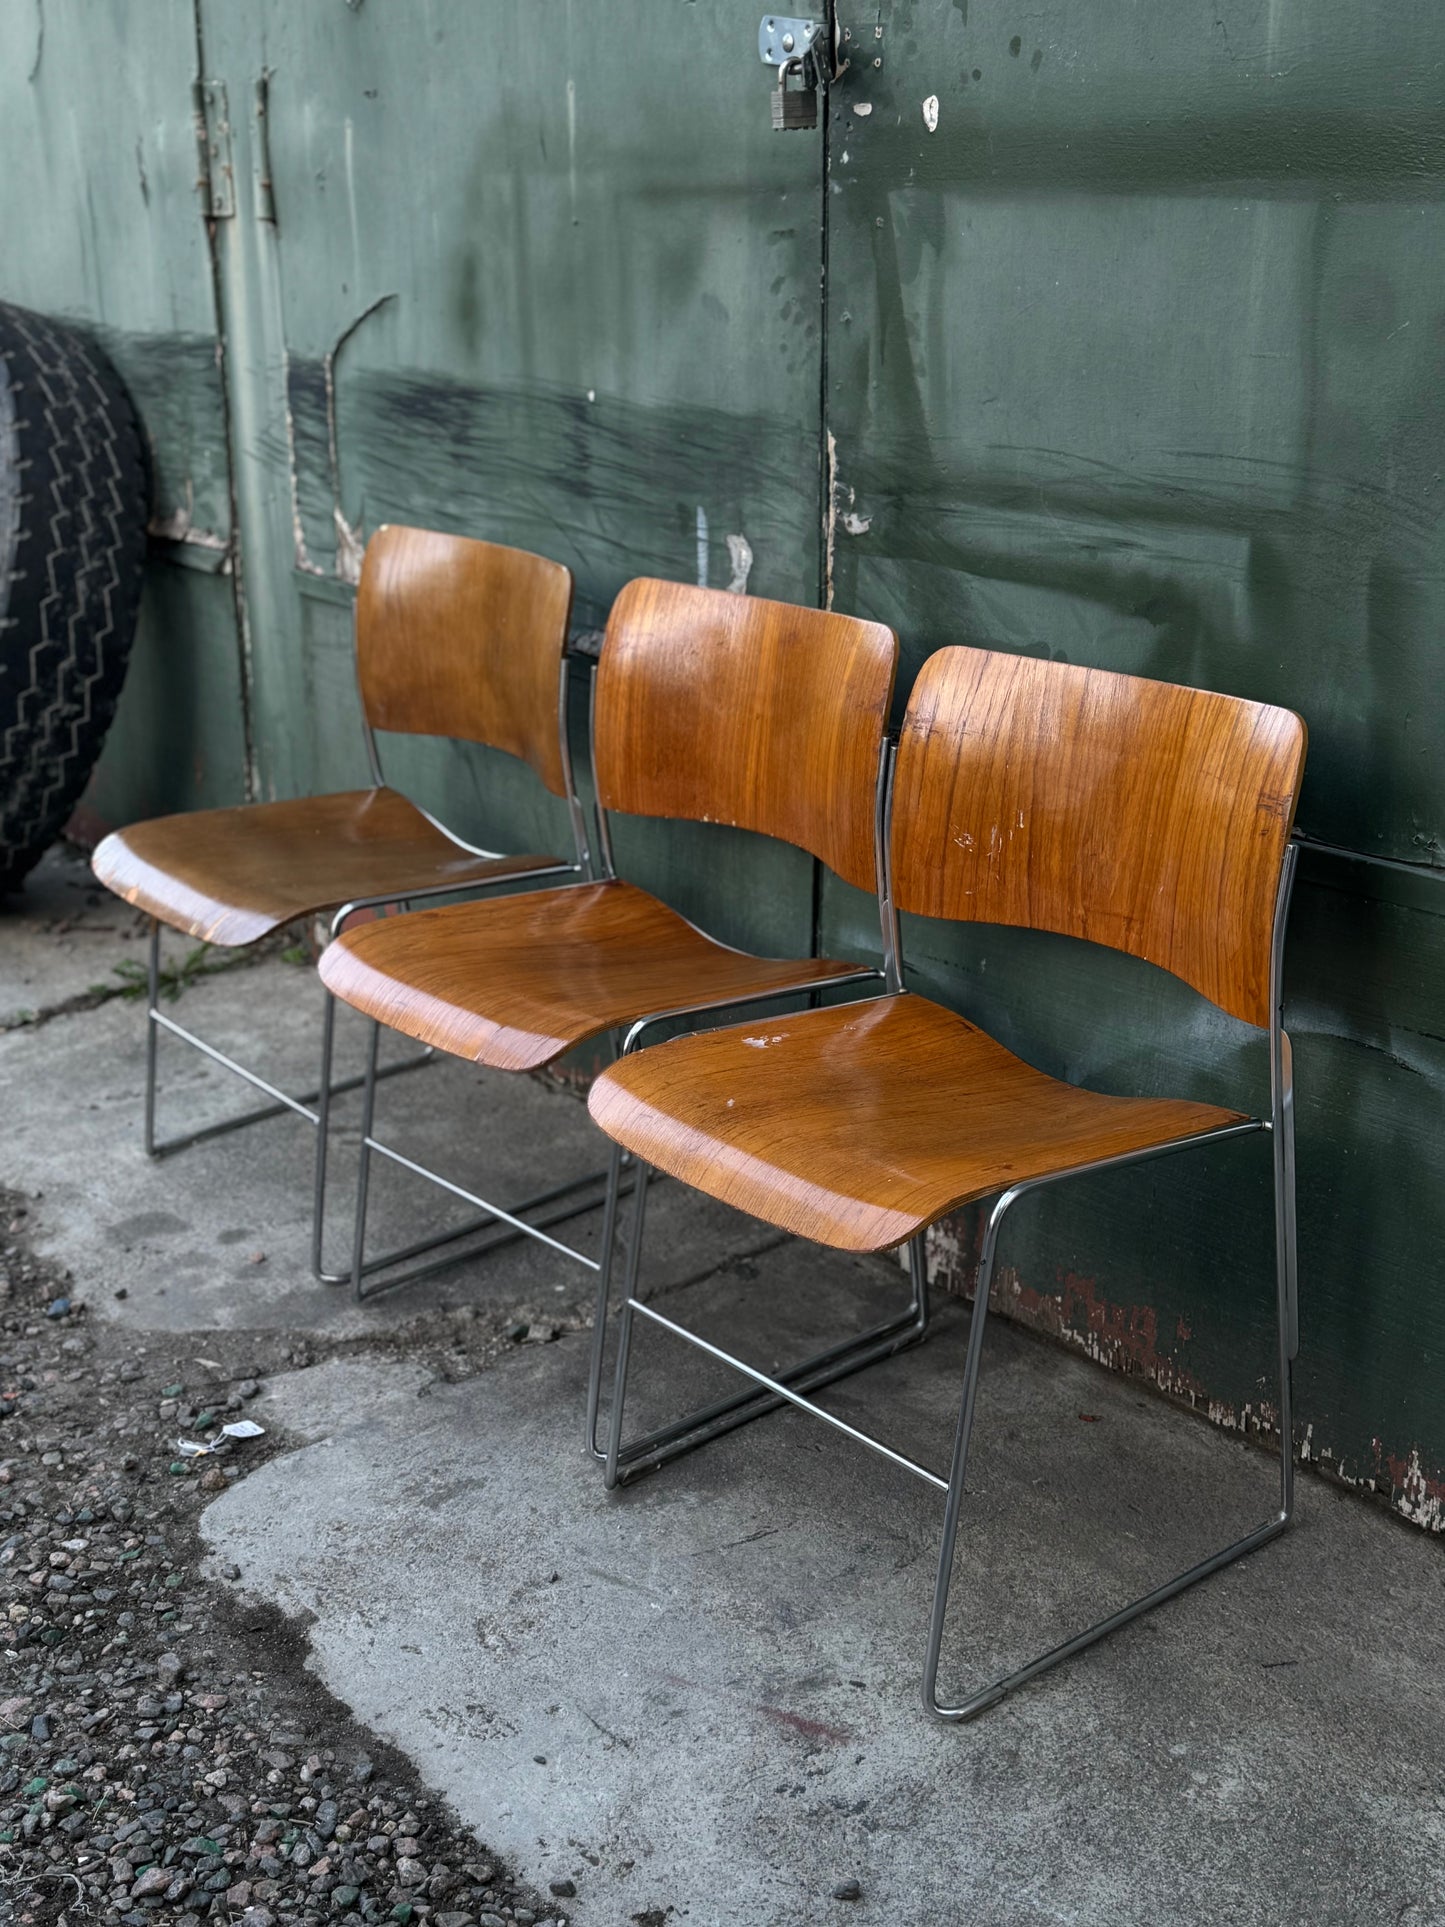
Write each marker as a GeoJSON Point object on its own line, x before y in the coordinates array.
{"type": "Point", "coordinates": [217, 181]}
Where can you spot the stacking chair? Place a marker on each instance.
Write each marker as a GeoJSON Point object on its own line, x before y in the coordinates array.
{"type": "Point", "coordinates": [454, 638]}
{"type": "Point", "coordinates": [709, 707]}
{"type": "Point", "coordinates": [1150, 818]}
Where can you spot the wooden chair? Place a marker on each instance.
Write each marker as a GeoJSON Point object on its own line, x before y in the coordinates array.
{"type": "Point", "coordinates": [707, 706]}
{"type": "Point", "coordinates": [1150, 818]}
{"type": "Point", "coordinates": [455, 638]}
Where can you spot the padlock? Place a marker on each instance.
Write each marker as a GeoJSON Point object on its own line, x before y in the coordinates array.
{"type": "Point", "coordinates": [797, 107]}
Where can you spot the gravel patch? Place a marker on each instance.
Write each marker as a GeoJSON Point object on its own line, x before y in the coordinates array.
{"type": "Point", "coordinates": [165, 1756]}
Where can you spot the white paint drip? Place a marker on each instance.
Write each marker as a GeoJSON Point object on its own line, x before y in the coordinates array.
{"type": "Point", "coordinates": [740, 555]}
{"type": "Point", "coordinates": [856, 524]}
{"type": "Point", "coordinates": [761, 1043]}
{"type": "Point", "coordinates": [701, 546]}
{"type": "Point", "coordinates": [930, 113]}
{"type": "Point", "coordinates": [862, 108]}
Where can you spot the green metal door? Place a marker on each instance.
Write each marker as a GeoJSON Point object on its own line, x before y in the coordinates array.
{"type": "Point", "coordinates": [1135, 331]}
{"type": "Point", "coordinates": [521, 275]}
{"type": "Point", "coordinates": [1107, 332]}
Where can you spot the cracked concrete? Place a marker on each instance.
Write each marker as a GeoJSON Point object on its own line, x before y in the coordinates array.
{"type": "Point", "coordinates": [721, 1680]}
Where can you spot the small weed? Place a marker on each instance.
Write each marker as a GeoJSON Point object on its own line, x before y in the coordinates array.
{"type": "Point", "coordinates": [172, 980]}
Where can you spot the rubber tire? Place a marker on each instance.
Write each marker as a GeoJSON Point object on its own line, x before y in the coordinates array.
{"type": "Point", "coordinates": [73, 510]}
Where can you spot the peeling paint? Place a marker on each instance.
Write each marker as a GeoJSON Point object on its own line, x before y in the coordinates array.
{"type": "Point", "coordinates": [740, 555]}
{"type": "Point", "coordinates": [177, 525]}
{"type": "Point", "coordinates": [856, 524]}
{"type": "Point", "coordinates": [1125, 1339]}
{"type": "Point", "coordinates": [1416, 1496]}
{"type": "Point", "coordinates": [702, 546]}
{"type": "Point", "coordinates": [350, 547]}
{"type": "Point", "coordinates": [301, 555]}
{"type": "Point", "coordinates": [830, 517]}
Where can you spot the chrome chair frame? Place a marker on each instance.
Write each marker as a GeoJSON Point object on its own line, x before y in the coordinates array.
{"type": "Point", "coordinates": [508, 1224]}
{"type": "Point", "coordinates": [836, 1361]}
{"type": "Point", "coordinates": [622, 1462]}
{"type": "Point", "coordinates": [327, 1089]}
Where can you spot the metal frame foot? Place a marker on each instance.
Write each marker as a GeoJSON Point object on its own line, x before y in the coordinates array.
{"type": "Point", "coordinates": [498, 1224]}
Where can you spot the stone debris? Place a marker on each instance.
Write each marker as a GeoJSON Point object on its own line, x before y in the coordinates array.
{"type": "Point", "coordinates": [164, 1755]}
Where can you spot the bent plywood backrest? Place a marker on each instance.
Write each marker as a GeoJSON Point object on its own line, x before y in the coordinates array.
{"type": "Point", "coordinates": [1139, 814]}
{"type": "Point", "coordinates": [727, 709]}
{"type": "Point", "coordinates": [462, 638]}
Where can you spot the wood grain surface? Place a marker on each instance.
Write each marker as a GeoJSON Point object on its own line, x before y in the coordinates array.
{"type": "Point", "coordinates": [232, 876]}
{"type": "Point", "coordinates": [729, 709]}
{"type": "Point", "coordinates": [859, 1124]}
{"type": "Point", "coordinates": [516, 981]}
{"type": "Point", "coordinates": [461, 638]}
{"type": "Point", "coordinates": [1141, 815]}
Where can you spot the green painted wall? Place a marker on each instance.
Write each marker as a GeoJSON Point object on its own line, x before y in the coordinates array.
{"type": "Point", "coordinates": [1131, 360]}
{"type": "Point", "coordinates": [99, 221]}
{"type": "Point", "coordinates": [1135, 359]}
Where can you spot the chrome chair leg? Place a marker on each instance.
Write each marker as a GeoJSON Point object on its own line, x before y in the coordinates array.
{"type": "Point", "coordinates": [978, 1702]}
{"type": "Point", "coordinates": [153, 986]}
{"type": "Point", "coordinates": [766, 1394]}
{"type": "Point", "coordinates": [363, 1171]}
{"type": "Point", "coordinates": [496, 1224]}
{"type": "Point", "coordinates": [624, 1330]}
{"type": "Point", "coordinates": [281, 1101]}
{"type": "Point", "coordinates": [604, 1291]}
{"type": "Point", "coordinates": [323, 1139]}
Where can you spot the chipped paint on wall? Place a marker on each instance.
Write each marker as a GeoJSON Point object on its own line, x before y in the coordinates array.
{"type": "Point", "coordinates": [830, 515]}
{"type": "Point", "coordinates": [740, 557]}
{"type": "Point", "coordinates": [1125, 1338]}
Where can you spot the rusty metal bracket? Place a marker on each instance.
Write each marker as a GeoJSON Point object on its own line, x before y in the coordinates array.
{"type": "Point", "coordinates": [786, 40]}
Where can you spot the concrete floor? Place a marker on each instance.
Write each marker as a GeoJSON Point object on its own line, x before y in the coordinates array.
{"type": "Point", "coordinates": [698, 1698]}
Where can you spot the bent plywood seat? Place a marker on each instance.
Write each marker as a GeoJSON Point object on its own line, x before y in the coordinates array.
{"type": "Point", "coordinates": [708, 707]}
{"type": "Point", "coordinates": [516, 982]}
{"type": "Point", "coordinates": [861, 1125]}
{"type": "Point", "coordinates": [1151, 818]}
{"type": "Point", "coordinates": [454, 637]}
{"type": "Point", "coordinates": [232, 876]}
